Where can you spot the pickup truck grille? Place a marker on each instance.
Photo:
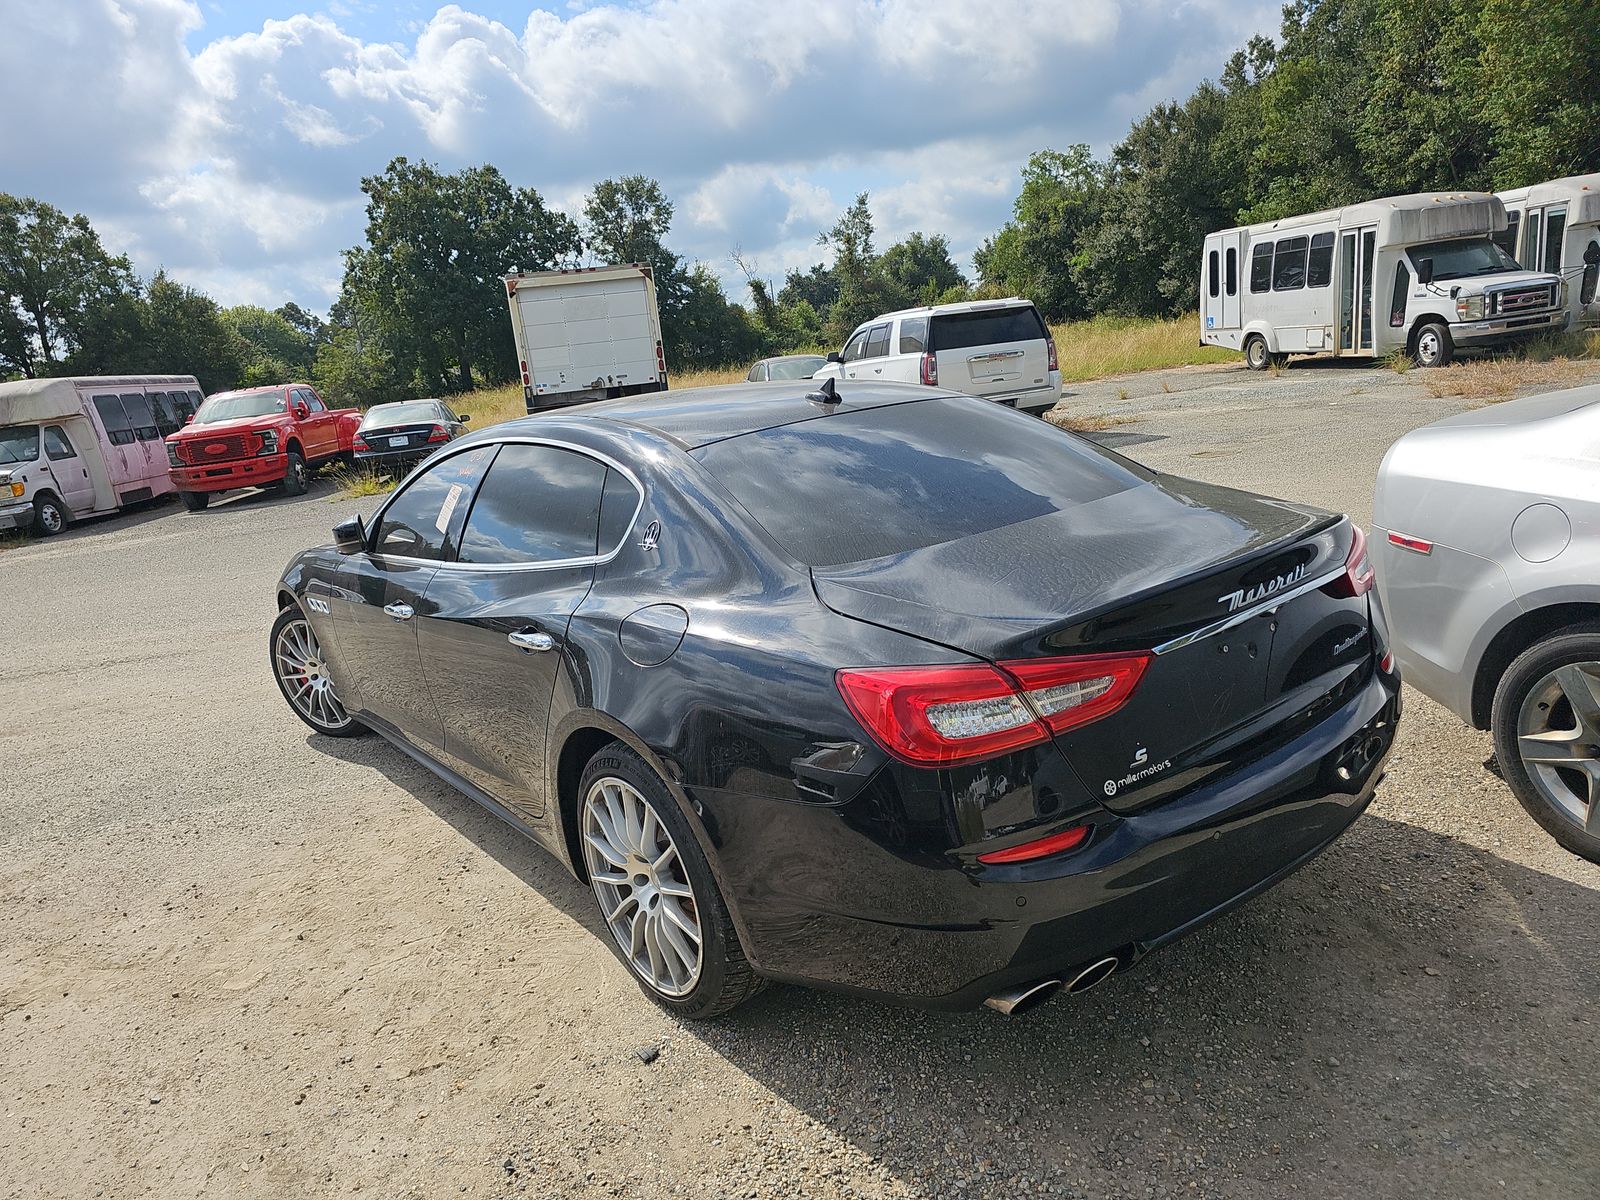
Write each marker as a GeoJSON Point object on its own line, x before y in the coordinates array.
{"type": "Point", "coordinates": [1517, 301]}
{"type": "Point", "coordinates": [197, 452]}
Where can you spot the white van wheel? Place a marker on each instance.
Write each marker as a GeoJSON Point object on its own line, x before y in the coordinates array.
{"type": "Point", "coordinates": [1255, 352]}
{"type": "Point", "coordinates": [49, 516]}
{"type": "Point", "coordinates": [1434, 347]}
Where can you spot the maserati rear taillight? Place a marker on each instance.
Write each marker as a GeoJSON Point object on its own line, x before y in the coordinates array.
{"type": "Point", "coordinates": [928, 371]}
{"type": "Point", "coordinates": [940, 716]}
{"type": "Point", "coordinates": [1357, 577]}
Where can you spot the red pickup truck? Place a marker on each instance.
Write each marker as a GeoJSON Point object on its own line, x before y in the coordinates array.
{"type": "Point", "coordinates": [257, 437]}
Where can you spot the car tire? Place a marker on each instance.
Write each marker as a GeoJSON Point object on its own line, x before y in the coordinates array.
{"type": "Point", "coordinates": [195, 501]}
{"type": "Point", "coordinates": [49, 516]}
{"type": "Point", "coordinates": [295, 656]}
{"type": "Point", "coordinates": [1256, 356]}
{"type": "Point", "coordinates": [295, 475]}
{"type": "Point", "coordinates": [1535, 722]}
{"type": "Point", "coordinates": [1434, 347]}
{"type": "Point", "coordinates": [647, 899]}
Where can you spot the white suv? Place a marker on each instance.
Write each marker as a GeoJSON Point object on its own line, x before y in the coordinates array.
{"type": "Point", "coordinates": [997, 349]}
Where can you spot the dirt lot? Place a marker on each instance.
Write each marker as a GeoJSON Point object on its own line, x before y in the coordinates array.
{"type": "Point", "coordinates": [237, 960]}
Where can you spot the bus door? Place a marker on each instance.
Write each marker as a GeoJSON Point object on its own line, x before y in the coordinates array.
{"type": "Point", "coordinates": [1543, 234]}
{"type": "Point", "coordinates": [1357, 249]}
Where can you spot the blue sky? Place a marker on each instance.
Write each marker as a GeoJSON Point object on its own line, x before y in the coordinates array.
{"type": "Point", "coordinates": [240, 171]}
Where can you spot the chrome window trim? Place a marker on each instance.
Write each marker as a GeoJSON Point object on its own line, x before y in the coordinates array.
{"type": "Point", "coordinates": [1245, 614]}
{"type": "Point", "coordinates": [554, 564]}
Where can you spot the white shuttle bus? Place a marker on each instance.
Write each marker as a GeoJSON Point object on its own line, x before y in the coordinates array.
{"type": "Point", "coordinates": [1419, 274]}
{"type": "Point", "coordinates": [1555, 227]}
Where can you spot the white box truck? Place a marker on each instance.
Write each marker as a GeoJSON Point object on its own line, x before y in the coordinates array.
{"type": "Point", "coordinates": [78, 447]}
{"type": "Point", "coordinates": [1555, 227]}
{"type": "Point", "coordinates": [1421, 275]}
{"type": "Point", "coordinates": [589, 333]}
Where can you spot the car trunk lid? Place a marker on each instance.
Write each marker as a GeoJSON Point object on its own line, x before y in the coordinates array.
{"type": "Point", "coordinates": [1228, 592]}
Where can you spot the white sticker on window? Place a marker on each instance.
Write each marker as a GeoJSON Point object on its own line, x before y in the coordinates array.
{"type": "Point", "coordinates": [442, 523]}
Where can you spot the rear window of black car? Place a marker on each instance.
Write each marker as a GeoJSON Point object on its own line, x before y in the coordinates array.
{"type": "Point", "coordinates": [958, 331]}
{"type": "Point", "coordinates": [853, 486]}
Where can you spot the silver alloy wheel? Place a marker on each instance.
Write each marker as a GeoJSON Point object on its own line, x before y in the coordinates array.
{"type": "Point", "coordinates": [1558, 737]}
{"type": "Point", "coordinates": [1255, 353]}
{"type": "Point", "coordinates": [645, 895]}
{"type": "Point", "coordinates": [1430, 347]}
{"type": "Point", "coordinates": [298, 658]}
{"type": "Point", "coordinates": [301, 475]}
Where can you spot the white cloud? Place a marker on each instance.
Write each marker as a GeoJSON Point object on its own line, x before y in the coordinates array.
{"type": "Point", "coordinates": [239, 166]}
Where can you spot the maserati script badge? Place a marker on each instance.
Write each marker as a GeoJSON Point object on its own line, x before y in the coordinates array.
{"type": "Point", "coordinates": [1237, 599]}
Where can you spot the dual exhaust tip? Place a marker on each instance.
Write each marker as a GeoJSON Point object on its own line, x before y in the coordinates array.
{"type": "Point", "coordinates": [1018, 1000]}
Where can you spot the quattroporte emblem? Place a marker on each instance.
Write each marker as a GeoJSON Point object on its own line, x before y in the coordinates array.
{"type": "Point", "coordinates": [652, 535]}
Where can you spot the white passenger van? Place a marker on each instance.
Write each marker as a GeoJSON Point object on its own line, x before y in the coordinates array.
{"type": "Point", "coordinates": [73, 448]}
{"type": "Point", "coordinates": [998, 350]}
{"type": "Point", "coordinates": [1555, 227]}
{"type": "Point", "coordinates": [1418, 274]}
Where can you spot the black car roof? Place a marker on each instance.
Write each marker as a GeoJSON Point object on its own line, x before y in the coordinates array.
{"type": "Point", "coordinates": [699, 416]}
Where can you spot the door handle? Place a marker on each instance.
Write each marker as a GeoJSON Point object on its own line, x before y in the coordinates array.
{"type": "Point", "coordinates": [400, 612]}
{"type": "Point", "coordinates": [531, 639]}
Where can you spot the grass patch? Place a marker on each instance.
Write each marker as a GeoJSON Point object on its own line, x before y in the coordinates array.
{"type": "Point", "coordinates": [1089, 422]}
{"type": "Point", "coordinates": [1121, 345]}
{"type": "Point", "coordinates": [1397, 361]}
{"type": "Point", "coordinates": [14, 538]}
{"type": "Point", "coordinates": [1565, 360]}
{"type": "Point", "coordinates": [360, 479]}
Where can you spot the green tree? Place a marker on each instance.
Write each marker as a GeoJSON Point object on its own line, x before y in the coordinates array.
{"type": "Point", "coordinates": [921, 268]}
{"type": "Point", "coordinates": [54, 277]}
{"type": "Point", "coordinates": [1033, 256]}
{"type": "Point", "coordinates": [428, 281]}
{"type": "Point", "coordinates": [274, 350]}
{"type": "Point", "coordinates": [1538, 88]}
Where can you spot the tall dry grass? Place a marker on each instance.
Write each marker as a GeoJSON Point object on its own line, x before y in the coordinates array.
{"type": "Point", "coordinates": [490, 406]}
{"type": "Point", "coordinates": [1565, 360]}
{"type": "Point", "coordinates": [1123, 345]}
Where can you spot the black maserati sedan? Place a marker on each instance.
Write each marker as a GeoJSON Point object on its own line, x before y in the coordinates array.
{"type": "Point", "coordinates": [878, 689]}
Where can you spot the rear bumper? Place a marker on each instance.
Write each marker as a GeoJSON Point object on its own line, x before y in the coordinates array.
{"type": "Point", "coordinates": [396, 458]}
{"type": "Point", "coordinates": [238, 473]}
{"type": "Point", "coordinates": [17, 516]}
{"type": "Point", "coordinates": [1147, 879]}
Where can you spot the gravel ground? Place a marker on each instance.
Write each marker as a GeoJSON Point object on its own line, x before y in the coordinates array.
{"type": "Point", "coordinates": [238, 960]}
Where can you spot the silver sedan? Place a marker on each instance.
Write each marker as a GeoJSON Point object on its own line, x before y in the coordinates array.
{"type": "Point", "coordinates": [1487, 550]}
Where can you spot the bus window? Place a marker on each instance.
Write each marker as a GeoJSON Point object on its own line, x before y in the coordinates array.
{"type": "Point", "coordinates": [1261, 267]}
{"type": "Point", "coordinates": [1213, 275]}
{"type": "Point", "coordinates": [1233, 271]}
{"type": "Point", "coordinates": [1506, 239]}
{"type": "Point", "coordinates": [166, 405]}
{"type": "Point", "coordinates": [1319, 271]}
{"type": "Point", "coordinates": [1289, 265]}
{"type": "Point", "coordinates": [1397, 305]}
{"type": "Point", "coordinates": [1555, 229]}
{"type": "Point", "coordinates": [140, 417]}
{"type": "Point", "coordinates": [118, 428]}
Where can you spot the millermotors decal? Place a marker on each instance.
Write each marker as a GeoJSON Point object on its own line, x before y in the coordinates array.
{"type": "Point", "coordinates": [1113, 786]}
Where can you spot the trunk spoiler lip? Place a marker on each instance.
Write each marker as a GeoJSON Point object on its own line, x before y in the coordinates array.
{"type": "Point", "coordinates": [1244, 614]}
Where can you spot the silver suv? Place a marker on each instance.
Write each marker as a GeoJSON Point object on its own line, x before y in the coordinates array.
{"type": "Point", "coordinates": [1487, 549]}
{"type": "Point", "coordinates": [997, 349]}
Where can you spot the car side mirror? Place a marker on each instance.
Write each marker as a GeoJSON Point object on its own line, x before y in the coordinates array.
{"type": "Point", "coordinates": [835, 357]}
{"type": "Point", "coordinates": [1591, 254]}
{"type": "Point", "coordinates": [301, 411]}
{"type": "Point", "coordinates": [1425, 272]}
{"type": "Point", "coordinates": [189, 420]}
{"type": "Point", "coordinates": [463, 417]}
{"type": "Point", "coordinates": [350, 535]}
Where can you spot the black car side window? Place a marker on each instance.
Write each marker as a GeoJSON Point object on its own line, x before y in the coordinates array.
{"type": "Point", "coordinates": [425, 520]}
{"type": "Point", "coordinates": [617, 508]}
{"type": "Point", "coordinates": [538, 504]}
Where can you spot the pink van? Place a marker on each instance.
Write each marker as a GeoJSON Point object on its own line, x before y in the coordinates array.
{"type": "Point", "coordinates": [78, 447]}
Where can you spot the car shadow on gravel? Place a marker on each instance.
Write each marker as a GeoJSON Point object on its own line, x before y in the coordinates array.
{"type": "Point", "coordinates": [1367, 1028]}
